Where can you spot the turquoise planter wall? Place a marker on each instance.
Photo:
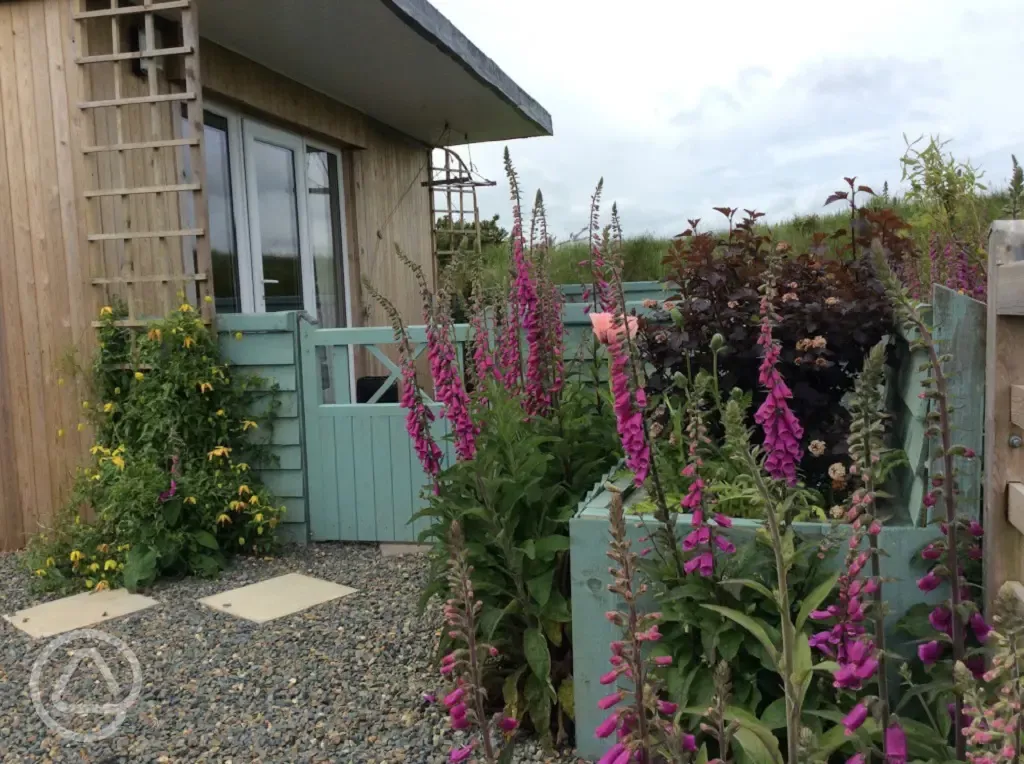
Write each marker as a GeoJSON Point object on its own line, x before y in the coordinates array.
{"type": "Point", "coordinates": [268, 348]}
{"type": "Point", "coordinates": [591, 599]}
{"type": "Point", "coordinates": [635, 291]}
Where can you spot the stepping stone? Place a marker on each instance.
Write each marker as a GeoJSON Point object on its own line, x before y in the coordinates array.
{"type": "Point", "coordinates": [77, 612]}
{"type": "Point", "coordinates": [276, 597]}
{"type": "Point", "coordinates": [399, 550]}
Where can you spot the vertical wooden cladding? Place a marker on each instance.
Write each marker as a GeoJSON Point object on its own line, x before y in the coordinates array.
{"type": "Point", "coordinates": [43, 292]}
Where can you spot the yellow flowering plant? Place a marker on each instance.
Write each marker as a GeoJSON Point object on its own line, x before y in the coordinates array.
{"type": "Point", "coordinates": [160, 493]}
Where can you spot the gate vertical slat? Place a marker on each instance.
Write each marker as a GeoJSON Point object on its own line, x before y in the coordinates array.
{"type": "Point", "coordinates": [402, 489]}
{"type": "Point", "coordinates": [384, 505]}
{"type": "Point", "coordinates": [344, 461]}
{"type": "Point", "coordinates": [366, 500]}
{"type": "Point", "coordinates": [316, 474]}
{"type": "Point", "coordinates": [328, 522]}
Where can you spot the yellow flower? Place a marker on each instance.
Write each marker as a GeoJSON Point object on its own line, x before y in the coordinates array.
{"type": "Point", "coordinates": [259, 530]}
{"type": "Point", "coordinates": [102, 585]}
{"type": "Point", "coordinates": [238, 335]}
{"type": "Point", "coordinates": [236, 505]}
{"type": "Point", "coordinates": [258, 517]}
{"type": "Point", "coordinates": [117, 461]}
{"type": "Point", "coordinates": [207, 299]}
{"type": "Point", "coordinates": [273, 522]}
{"type": "Point", "coordinates": [242, 467]}
{"type": "Point", "coordinates": [95, 477]}
{"type": "Point", "coordinates": [94, 567]}
{"type": "Point", "coordinates": [117, 391]}
{"type": "Point", "coordinates": [60, 382]}
{"type": "Point", "coordinates": [190, 500]}
{"type": "Point", "coordinates": [81, 426]}
{"type": "Point", "coordinates": [155, 334]}
{"type": "Point", "coordinates": [205, 387]}
{"type": "Point", "coordinates": [223, 519]}
{"type": "Point", "coordinates": [40, 572]}
{"type": "Point", "coordinates": [76, 556]}
{"type": "Point", "coordinates": [189, 342]}
{"type": "Point", "coordinates": [108, 408]}
{"type": "Point", "coordinates": [218, 451]}
{"type": "Point", "coordinates": [220, 412]}
{"type": "Point", "coordinates": [185, 308]}
{"type": "Point", "coordinates": [89, 583]}
{"type": "Point", "coordinates": [106, 310]}
{"type": "Point", "coordinates": [254, 499]}
{"type": "Point", "coordinates": [85, 404]}
{"type": "Point", "coordinates": [241, 540]}
{"type": "Point", "coordinates": [243, 490]}
{"type": "Point", "coordinates": [124, 548]}
{"type": "Point", "coordinates": [139, 376]}
{"type": "Point", "coordinates": [248, 424]}
{"type": "Point", "coordinates": [110, 565]}
{"type": "Point", "coordinates": [50, 562]}
{"type": "Point", "coordinates": [103, 548]}
{"type": "Point", "coordinates": [60, 433]}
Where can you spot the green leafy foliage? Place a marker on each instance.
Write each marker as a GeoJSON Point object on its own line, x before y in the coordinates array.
{"type": "Point", "coordinates": [169, 490]}
{"type": "Point", "coordinates": [514, 501]}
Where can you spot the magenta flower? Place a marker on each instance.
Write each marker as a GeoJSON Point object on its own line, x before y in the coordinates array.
{"type": "Point", "coordinates": [929, 582]}
{"type": "Point", "coordinates": [663, 660]}
{"type": "Point", "coordinates": [689, 743]}
{"type": "Point", "coordinates": [610, 700]}
{"type": "Point", "coordinates": [418, 418]}
{"type": "Point", "coordinates": [782, 430]}
{"type": "Point", "coordinates": [612, 755]}
{"type": "Point", "coordinates": [857, 716]}
{"type": "Point", "coordinates": [460, 754]}
{"type": "Point", "coordinates": [607, 727]}
{"type": "Point", "coordinates": [929, 652]}
{"type": "Point", "coordinates": [980, 627]}
{"type": "Point", "coordinates": [169, 493]}
{"type": "Point", "coordinates": [508, 724]}
{"type": "Point", "coordinates": [932, 552]}
{"type": "Point", "coordinates": [895, 745]}
{"type": "Point", "coordinates": [941, 619]}
{"type": "Point", "coordinates": [857, 758]}
{"type": "Point", "coordinates": [629, 408]}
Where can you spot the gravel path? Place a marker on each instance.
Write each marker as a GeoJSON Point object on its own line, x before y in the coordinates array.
{"type": "Point", "coordinates": [342, 682]}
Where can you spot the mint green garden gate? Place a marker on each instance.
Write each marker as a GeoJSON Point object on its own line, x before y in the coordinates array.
{"type": "Point", "coordinates": [365, 480]}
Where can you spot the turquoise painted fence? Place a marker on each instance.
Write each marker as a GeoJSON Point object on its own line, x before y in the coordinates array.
{"type": "Point", "coordinates": [636, 291]}
{"type": "Point", "coordinates": [268, 347]}
{"type": "Point", "coordinates": [365, 481]}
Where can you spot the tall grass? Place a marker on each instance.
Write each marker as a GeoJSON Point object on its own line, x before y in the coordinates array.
{"type": "Point", "coordinates": [642, 257]}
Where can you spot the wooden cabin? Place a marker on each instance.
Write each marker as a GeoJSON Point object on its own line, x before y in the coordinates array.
{"type": "Point", "coordinates": [265, 154]}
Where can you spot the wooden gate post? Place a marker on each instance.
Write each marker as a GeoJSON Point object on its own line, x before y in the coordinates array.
{"type": "Point", "coordinates": [1004, 409]}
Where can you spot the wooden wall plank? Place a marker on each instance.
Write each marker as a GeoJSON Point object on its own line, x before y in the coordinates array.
{"type": "Point", "coordinates": [1004, 361]}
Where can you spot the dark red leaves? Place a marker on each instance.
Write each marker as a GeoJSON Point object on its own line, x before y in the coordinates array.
{"type": "Point", "coordinates": [837, 196]}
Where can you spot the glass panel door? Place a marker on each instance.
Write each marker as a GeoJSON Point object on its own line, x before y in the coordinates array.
{"type": "Point", "coordinates": [278, 241]}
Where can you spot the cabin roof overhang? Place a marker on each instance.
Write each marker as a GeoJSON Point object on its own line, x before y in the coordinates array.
{"type": "Point", "coordinates": [399, 62]}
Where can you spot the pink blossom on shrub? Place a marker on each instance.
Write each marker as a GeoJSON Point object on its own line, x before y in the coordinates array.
{"type": "Point", "coordinates": [782, 431]}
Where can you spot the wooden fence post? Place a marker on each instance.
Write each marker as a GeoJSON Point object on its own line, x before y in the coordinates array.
{"type": "Point", "coordinates": [1004, 422]}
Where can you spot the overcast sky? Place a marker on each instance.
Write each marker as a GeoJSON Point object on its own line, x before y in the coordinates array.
{"type": "Point", "coordinates": [683, 105]}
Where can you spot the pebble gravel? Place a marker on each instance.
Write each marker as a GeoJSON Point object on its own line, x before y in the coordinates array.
{"type": "Point", "coordinates": [342, 682]}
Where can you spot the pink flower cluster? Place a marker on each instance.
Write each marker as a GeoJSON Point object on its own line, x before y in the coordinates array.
{"type": "Point", "coordinates": [448, 386]}
{"type": "Point", "coordinates": [629, 404]}
{"type": "Point", "coordinates": [170, 492]}
{"type": "Point", "coordinates": [418, 418]}
{"type": "Point", "coordinates": [704, 538]}
{"type": "Point", "coordinates": [847, 641]}
{"type": "Point", "coordinates": [941, 617]}
{"type": "Point", "coordinates": [782, 430]}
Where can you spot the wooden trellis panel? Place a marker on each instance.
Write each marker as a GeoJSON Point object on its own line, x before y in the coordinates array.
{"type": "Point", "coordinates": [145, 207]}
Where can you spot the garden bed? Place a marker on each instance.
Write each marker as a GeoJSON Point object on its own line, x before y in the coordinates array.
{"type": "Point", "coordinates": [591, 598]}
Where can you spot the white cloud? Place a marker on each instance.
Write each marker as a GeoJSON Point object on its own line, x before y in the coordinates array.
{"type": "Point", "coordinates": [682, 106]}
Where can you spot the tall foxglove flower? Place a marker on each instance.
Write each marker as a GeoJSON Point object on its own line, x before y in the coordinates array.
{"type": "Point", "coordinates": [782, 430]}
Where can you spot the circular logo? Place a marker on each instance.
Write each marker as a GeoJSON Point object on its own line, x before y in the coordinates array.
{"type": "Point", "coordinates": [89, 654]}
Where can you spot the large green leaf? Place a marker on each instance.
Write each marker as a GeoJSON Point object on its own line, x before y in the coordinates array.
{"type": "Point", "coordinates": [139, 568]}
{"type": "Point", "coordinates": [813, 600]}
{"type": "Point", "coordinates": [540, 586]}
{"type": "Point", "coordinates": [548, 546]}
{"type": "Point", "coordinates": [567, 697]}
{"type": "Point", "coordinates": [756, 749]}
{"type": "Point", "coordinates": [535, 645]}
{"type": "Point", "coordinates": [733, 585]}
{"type": "Point", "coordinates": [774, 717]}
{"type": "Point", "coordinates": [750, 624]}
{"type": "Point", "coordinates": [206, 539]}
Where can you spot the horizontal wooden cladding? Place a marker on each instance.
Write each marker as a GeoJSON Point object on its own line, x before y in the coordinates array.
{"type": "Point", "coordinates": [135, 100]}
{"type": "Point", "coordinates": [129, 235]}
